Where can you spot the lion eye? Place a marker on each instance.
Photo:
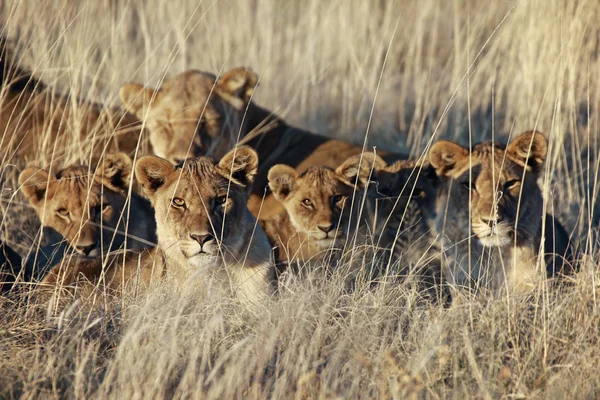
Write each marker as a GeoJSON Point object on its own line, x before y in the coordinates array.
{"type": "Point", "coordinates": [338, 198]}
{"type": "Point", "coordinates": [62, 211]}
{"type": "Point", "coordinates": [307, 203]}
{"type": "Point", "coordinates": [512, 184]}
{"type": "Point", "coordinates": [468, 185]}
{"type": "Point", "coordinates": [178, 202]}
{"type": "Point", "coordinates": [418, 192]}
{"type": "Point", "coordinates": [220, 200]}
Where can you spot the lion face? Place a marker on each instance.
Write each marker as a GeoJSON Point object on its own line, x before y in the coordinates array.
{"type": "Point", "coordinates": [317, 201]}
{"type": "Point", "coordinates": [402, 196]}
{"type": "Point", "coordinates": [192, 114]}
{"type": "Point", "coordinates": [83, 206]}
{"type": "Point", "coordinates": [399, 195]}
{"type": "Point", "coordinates": [493, 187]}
{"type": "Point", "coordinates": [200, 206]}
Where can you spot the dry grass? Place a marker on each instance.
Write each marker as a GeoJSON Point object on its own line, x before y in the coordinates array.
{"type": "Point", "coordinates": [398, 72]}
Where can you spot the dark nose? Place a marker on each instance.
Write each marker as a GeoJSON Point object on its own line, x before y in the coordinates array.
{"type": "Point", "coordinates": [327, 228]}
{"type": "Point", "coordinates": [202, 239]}
{"type": "Point", "coordinates": [492, 221]}
{"type": "Point", "coordinates": [86, 249]}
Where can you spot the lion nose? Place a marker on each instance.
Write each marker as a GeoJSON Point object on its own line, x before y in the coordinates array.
{"type": "Point", "coordinates": [86, 249]}
{"type": "Point", "coordinates": [491, 221]}
{"type": "Point", "coordinates": [327, 228]}
{"type": "Point", "coordinates": [202, 239]}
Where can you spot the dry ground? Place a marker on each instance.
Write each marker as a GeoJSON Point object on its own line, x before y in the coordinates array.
{"type": "Point", "coordinates": [399, 72]}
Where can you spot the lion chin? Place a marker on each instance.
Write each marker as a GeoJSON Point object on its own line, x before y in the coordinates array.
{"type": "Point", "coordinates": [495, 239]}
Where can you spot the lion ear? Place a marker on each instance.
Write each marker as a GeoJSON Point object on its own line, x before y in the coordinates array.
{"type": "Point", "coordinates": [447, 157]}
{"type": "Point", "coordinates": [35, 183]}
{"type": "Point", "coordinates": [136, 98]}
{"type": "Point", "coordinates": [529, 150]}
{"type": "Point", "coordinates": [152, 173]}
{"type": "Point", "coordinates": [115, 171]}
{"type": "Point", "coordinates": [237, 86]}
{"type": "Point", "coordinates": [358, 169]}
{"type": "Point", "coordinates": [240, 165]}
{"type": "Point", "coordinates": [282, 179]}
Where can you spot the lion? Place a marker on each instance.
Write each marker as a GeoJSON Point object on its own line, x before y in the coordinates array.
{"type": "Point", "coordinates": [490, 214]}
{"type": "Point", "coordinates": [91, 210]}
{"type": "Point", "coordinates": [196, 113]}
{"type": "Point", "coordinates": [204, 230]}
{"type": "Point", "coordinates": [317, 212]}
{"type": "Point", "coordinates": [38, 124]}
{"type": "Point", "coordinates": [398, 213]}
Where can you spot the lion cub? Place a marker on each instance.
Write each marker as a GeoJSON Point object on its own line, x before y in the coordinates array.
{"type": "Point", "coordinates": [317, 212]}
{"type": "Point", "coordinates": [398, 213]}
{"type": "Point", "coordinates": [490, 214]}
{"type": "Point", "coordinates": [204, 229]}
{"type": "Point", "coordinates": [91, 209]}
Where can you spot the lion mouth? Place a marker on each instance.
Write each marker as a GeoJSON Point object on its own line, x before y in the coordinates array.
{"type": "Point", "coordinates": [494, 236]}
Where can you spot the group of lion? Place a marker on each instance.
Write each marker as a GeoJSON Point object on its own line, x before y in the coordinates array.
{"type": "Point", "coordinates": [231, 194]}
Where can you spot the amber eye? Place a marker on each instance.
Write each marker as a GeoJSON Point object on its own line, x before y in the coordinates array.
{"type": "Point", "coordinates": [62, 211]}
{"type": "Point", "coordinates": [512, 184]}
{"type": "Point", "coordinates": [468, 185]}
{"type": "Point", "coordinates": [220, 200]}
{"type": "Point", "coordinates": [335, 199]}
{"type": "Point", "coordinates": [418, 192]}
{"type": "Point", "coordinates": [307, 203]}
{"type": "Point", "coordinates": [178, 202]}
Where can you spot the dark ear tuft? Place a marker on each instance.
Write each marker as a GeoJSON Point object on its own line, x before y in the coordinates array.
{"type": "Point", "coordinates": [447, 157]}
{"type": "Point", "coordinates": [281, 180]}
{"type": "Point", "coordinates": [115, 171]}
{"type": "Point", "coordinates": [240, 165]}
{"type": "Point", "coordinates": [152, 173]}
{"type": "Point", "coordinates": [529, 150]}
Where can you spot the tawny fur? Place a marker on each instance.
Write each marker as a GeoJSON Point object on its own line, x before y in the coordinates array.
{"type": "Point", "coordinates": [91, 209]}
{"type": "Point", "coordinates": [487, 192]}
{"type": "Point", "coordinates": [38, 124]}
{"type": "Point", "coordinates": [317, 212]}
{"type": "Point", "coordinates": [199, 199]}
{"type": "Point", "coordinates": [196, 113]}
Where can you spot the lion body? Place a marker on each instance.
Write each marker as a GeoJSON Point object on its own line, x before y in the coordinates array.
{"type": "Point", "coordinates": [195, 113]}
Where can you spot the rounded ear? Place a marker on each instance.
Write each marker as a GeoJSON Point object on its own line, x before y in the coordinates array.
{"type": "Point", "coordinates": [136, 98]}
{"type": "Point", "coordinates": [358, 169]}
{"type": "Point", "coordinates": [529, 150]}
{"type": "Point", "coordinates": [239, 165]}
{"type": "Point", "coordinates": [115, 171]}
{"type": "Point", "coordinates": [152, 173]}
{"type": "Point", "coordinates": [281, 180]}
{"type": "Point", "coordinates": [447, 157]}
{"type": "Point", "coordinates": [34, 183]}
{"type": "Point", "coordinates": [237, 86]}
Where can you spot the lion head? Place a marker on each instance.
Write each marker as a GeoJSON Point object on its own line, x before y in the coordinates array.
{"type": "Point", "coordinates": [200, 207]}
{"type": "Point", "coordinates": [87, 208]}
{"type": "Point", "coordinates": [193, 113]}
{"type": "Point", "coordinates": [400, 196]}
{"type": "Point", "coordinates": [318, 201]}
{"type": "Point", "coordinates": [491, 191]}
